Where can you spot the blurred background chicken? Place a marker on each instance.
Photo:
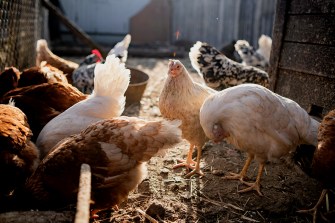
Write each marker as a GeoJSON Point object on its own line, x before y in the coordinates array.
{"type": "Point", "coordinates": [121, 48]}
{"type": "Point", "coordinates": [116, 149]}
{"type": "Point", "coordinates": [181, 99]}
{"type": "Point", "coordinates": [18, 154]}
{"type": "Point", "coordinates": [255, 120]}
{"type": "Point", "coordinates": [107, 101]}
{"type": "Point", "coordinates": [83, 76]}
{"type": "Point", "coordinates": [321, 165]}
{"type": "Point", "coordinates": [44, 73]}
{"type": "Point", "coordinates": [220, 72]}
{"type": "Point", "coordinates": [43, 53]}
{"type": "Point", "coordinates": [257, 58]}
{"type": "Point", "coordinates": [43, 102]}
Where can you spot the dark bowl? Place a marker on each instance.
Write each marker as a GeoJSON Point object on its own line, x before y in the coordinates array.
{"type": "Point", "coordinates": [138, 83]}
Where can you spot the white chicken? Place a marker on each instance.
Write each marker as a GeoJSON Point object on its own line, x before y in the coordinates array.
{"type": "Point", "coordinates": [254, 119]}
{"type": "Point", "coordinates": [107, 101]}
{"type": "Point", "coordinates": [121, 48]}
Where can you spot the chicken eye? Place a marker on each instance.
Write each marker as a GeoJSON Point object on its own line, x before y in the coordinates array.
{"type": "Point", "coordinates": [178, 66]}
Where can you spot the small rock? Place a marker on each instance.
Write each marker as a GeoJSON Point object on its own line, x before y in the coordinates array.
{"type": "Point", "coordinates": [155, 210]}
{"type": "Point", "coordinates": [218, 172]}
{"type": "Point", "coordinates": [144, 187]}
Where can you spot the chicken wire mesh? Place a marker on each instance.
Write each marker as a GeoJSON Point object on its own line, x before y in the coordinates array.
{"type": "Point", "coordinates": [20, 27]}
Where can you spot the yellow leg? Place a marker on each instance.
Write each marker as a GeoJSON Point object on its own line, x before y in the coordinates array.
{"type": "Point", "coordinates": [240, 176]}
{"type": "Point", "coordinates": [314, 210]}
{"type": "Point", "coordinates": [256, 185]}
{"type": "Point", "coordinates": [188, 163]}
{"type": "Point", "coordinates": [197, 165]}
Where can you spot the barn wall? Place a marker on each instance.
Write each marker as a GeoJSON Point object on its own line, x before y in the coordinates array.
{"type": "Point", "coordinates": [302, 58]}
{"type": "Point", "coordinates": [218, 22]}
{"type": "Point", "coordinates": [215, 21]}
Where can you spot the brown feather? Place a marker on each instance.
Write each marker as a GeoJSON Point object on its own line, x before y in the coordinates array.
{"type": "Point", "coordinates": [18, 155]}
{"type": "Point", "coordinates": [43, 102]}
{"type": "Point", "coordinates": [116, 150]}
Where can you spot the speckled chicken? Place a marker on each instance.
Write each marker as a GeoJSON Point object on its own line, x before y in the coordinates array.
{"type": "Point", "coordinates": [43, 102]}
{"type": "Point", "coordinates": [181, 98]}
{"type": "Point", "coordinates": [83, 76]}
{"type": "Point", "coordinates": [257, 58]}
{"type": "Point", "coordinates": [107, 101]}
{"type": "Point", "coordinates": [259, 122]}
{"type": "Point", "coordinates": [117, 151]}
{"type": "Point", "coordinates": [18, 154]}
{"type": "Point", "coordinates": [220, 72]}
{"type": "Point", "coordinates": [323, 160]}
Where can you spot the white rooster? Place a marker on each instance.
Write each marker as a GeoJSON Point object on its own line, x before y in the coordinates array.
{"type": "Point", "coordinates": [107, 101]}
{"type": "Point", "coordinates": [254, 119]}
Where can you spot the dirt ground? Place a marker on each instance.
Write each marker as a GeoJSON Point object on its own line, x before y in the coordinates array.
{"type": "Point", "coordinates": [169, 197]}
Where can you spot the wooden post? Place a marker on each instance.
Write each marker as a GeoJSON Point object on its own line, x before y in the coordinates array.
{"type": "Point", "coordinates": [84, 195]}
{"type": "Point", "coordinates": [72, 27]}
{"type": "Point", "coordinates": [278, 35]}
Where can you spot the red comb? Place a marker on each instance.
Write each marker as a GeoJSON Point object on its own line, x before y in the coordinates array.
{"type": "Point", "coordinates": [98, 54]}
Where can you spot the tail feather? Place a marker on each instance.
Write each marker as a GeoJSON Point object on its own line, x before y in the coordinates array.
{"type": "Point", "coordinates": [111, 79]}
{"type": "Point", "coordinates": [153, 137]}
{"type": "Point", "coordinates": [194, 55]}
{"type": "Point", "coordinates": [121, 48]}
{"type": "Point", "coordinates": [265, 43]}
{"type": "Point", "coordinates": [43, 53]}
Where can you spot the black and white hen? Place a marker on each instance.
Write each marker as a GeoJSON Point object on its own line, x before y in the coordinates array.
{"type": "Point", "coordinates": [219, 72]}
{"type": "Point", "coordinates": [83, 76]}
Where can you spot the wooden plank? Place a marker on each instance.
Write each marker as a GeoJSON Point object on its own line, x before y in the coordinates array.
{"type": "Point", "coordinates": [73, 27]}
{"type": "Point", "coordinates": [37, 217]}
{"type": "Point", "coordinates": [84, 195]}
{"type": "Point", "coordinates": [278, 33]}
{"type": "Point", "coordinates": [319, 29]}
{"type": "Point", "coordinates": [307, 89]}
{"type": "Point", "coordinates": [311, 6]}
{"type": "Point", "coordinates": [307, 58]}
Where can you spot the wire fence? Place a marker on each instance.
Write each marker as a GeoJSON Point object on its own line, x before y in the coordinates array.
{"type": "Point", "coordinates": [20, 28]}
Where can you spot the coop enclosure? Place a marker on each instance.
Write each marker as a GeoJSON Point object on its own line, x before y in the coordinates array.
{"type": "Point", "coordinates": [20, 27]}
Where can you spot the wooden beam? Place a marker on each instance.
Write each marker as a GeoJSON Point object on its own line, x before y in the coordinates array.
{"type": "Point", "coordinates": [277, 39]}
{"type": "Point", "coordinates": [77, 31]}
{"type": "Point", "coordinates": [84, 195]}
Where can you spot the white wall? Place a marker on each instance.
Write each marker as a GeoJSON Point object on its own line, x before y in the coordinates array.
{"type": "Point", "coordinates": [110, 18]}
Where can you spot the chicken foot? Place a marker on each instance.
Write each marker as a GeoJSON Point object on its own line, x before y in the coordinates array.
{"type": "Point", "coordinates": [314, 210]}
{"type": "Point", "coordinates": [189, 163]}
{"type": "Point", "coordinates": [256, 185]}
{"type": "Point", "coordinates": [197, 166]}
{"type": "Point", "coordinates": [240, 176]}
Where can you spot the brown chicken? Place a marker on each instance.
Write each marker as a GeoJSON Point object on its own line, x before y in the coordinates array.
{"type": "Point", "coordinates": [323, 161]}
{"type": "Point", "coordinates": [9, 79]}
{"type": "Point", "coordinates": [43, 102]}
{"type": "Point", "coordinates": [181, 98]}
{"type": "Point", "coordinates": [43, 53]}
{"type": "Point", "coordinates": [44, 73]}
{"type": "Point", "coordinates": [116, 149]}
{"type": "Point", "coordinates": [18, 155]}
